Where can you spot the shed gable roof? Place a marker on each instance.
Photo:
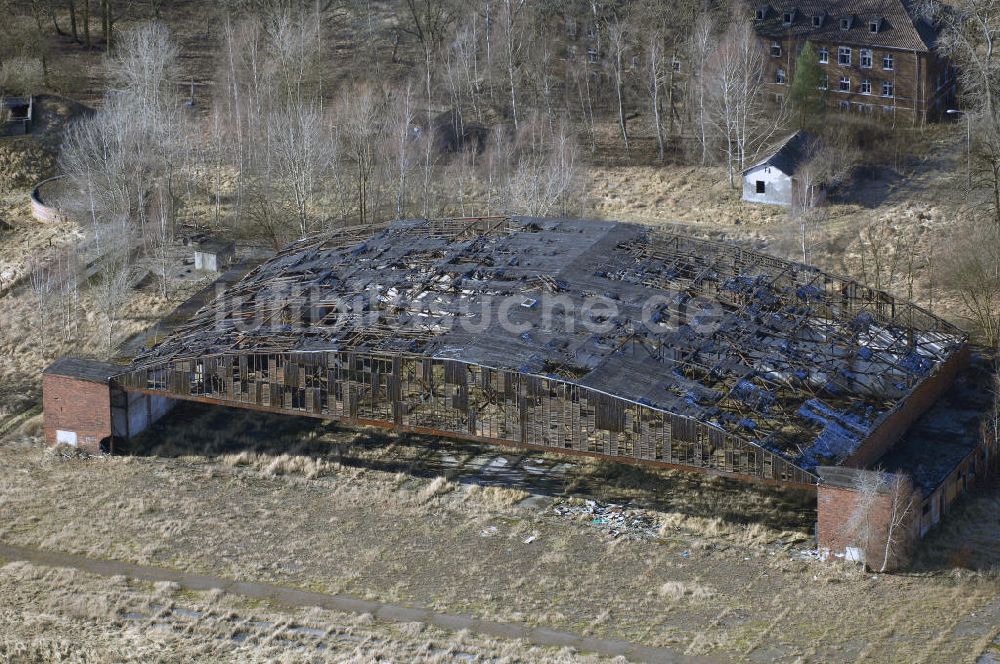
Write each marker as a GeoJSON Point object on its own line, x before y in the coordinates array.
{"type": "Point", "coordinates": [792, 153]}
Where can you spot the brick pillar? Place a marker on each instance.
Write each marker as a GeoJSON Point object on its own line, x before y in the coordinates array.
{"type": "Point", "coordinates": [854, 525]}
{"type": "Point", "coordinates": [76, 412]}
{"type": "Point", "coordinates": [77, 403]}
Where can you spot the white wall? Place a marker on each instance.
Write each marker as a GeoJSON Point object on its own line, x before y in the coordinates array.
{"type": "Point", "coordinates": [777, 186]}
{"type": "Point", "coordinates": [145, 409]}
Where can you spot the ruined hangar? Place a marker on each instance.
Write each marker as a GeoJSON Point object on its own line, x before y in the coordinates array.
{"type": "Point", "coordinates": [581, 336]}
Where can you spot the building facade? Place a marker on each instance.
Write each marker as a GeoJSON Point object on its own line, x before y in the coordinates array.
{"type": "Point", "coordinates": [878, 56]}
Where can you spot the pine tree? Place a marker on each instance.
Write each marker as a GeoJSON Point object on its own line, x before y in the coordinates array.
{"type": "Point", "coordinates": [808, 99]}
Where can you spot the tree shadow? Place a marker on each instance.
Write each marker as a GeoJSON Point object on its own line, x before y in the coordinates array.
{"type": "Point", "coordinates": [868, 186]}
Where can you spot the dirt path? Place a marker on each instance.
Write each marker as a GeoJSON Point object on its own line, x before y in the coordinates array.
{"type": "Point", "coordinates": [395, 613]}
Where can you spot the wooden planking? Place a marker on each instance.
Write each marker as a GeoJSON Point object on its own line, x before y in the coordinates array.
{"type": "Point", "coordinates": [454, 397]}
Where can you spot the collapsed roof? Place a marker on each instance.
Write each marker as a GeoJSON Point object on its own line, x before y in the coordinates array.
{"type": "Point", "coordinates": [783, 355]}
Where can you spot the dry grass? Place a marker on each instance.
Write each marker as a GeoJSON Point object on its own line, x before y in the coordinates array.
{"type": "Point", "coordinates": [677, 590]}
{"type": "Point", "coordinates": [51, 615]}
{"type": "Point", "coordinates": [380, 525]}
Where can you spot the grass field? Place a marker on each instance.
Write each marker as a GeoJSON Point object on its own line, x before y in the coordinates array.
{"type": "Point", "coordinates": [379, 520]}
{"type": "Point", "coordinates": [54, 614]}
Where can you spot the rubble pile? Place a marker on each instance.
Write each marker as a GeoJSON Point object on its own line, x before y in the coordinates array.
{"type": "Point", "coordinates": [616, 520]}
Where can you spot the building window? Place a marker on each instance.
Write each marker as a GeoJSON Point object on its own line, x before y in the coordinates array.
{"type": "Point", "coordinates": [761, 187]}
{"type": "Point", "coordinates": [845, 105]}
{"type": "Point", "coordinates": [887, 88]}
{"type": "Point", "coordinates": [844, 56]}
{"type": "Point", "coordinates": [824, 55]}
{"type": "Point", "coordinates": [845, 84]}
{"type": "Point", "coordinates": [887, 110]}
{"type": "Point", "coordinates": [779, 76]}
{"type": "Point", "coordinates": [592, 55]}
{"type": "Point", "coordinates": [677, 65]}
{"type": "Point", "coordinates": [887, 62]}
{"type": "Point", "coordinates": [845, 23]}
{"type": "Point", "coordinates": [761, 13]}
{"type": "Point", "coordinates": [818, 21]}
{"type": "Point", "coordinates": [571, 27]}
{"type": "Point", "coordinates": [874, 25]}
{"type": "Point", "coordinates": [776, 49]}
{"type": "Point", "coordinates": [824, 82]}
{"type": "Point", "coordinates": [866, 58]}
{"type": "Point", "coordinates": [787, 18]}
{"type": "Point", "coordinates": [866, 87]}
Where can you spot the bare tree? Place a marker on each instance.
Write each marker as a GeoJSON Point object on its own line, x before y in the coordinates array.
{"type": "Point", "coordinates": [737, 107]}
{"type": "Point", "coordinates": [511, 22]}
{"type": "Point", "coordinates": [886, 253]}
{"type": "Point", "coordinates": [144, 66]}
{"type": "Point", "coordinates": [54, 281]}
{"type": "Point", "coordinates": [304, 155]}
{"type": "Point", "coordinates": [970, 35]}
{"type": "Point", "coordinates": [971, 269]}
{"type": "Point", "coordinates": [655, 71]}
{"type": "Point", "coordinates": [619, 39]}
{"type": "Point", "coordinates": [114, 282]}
{"type": "Point", "coordinates": [402, 146]}
{"type": "Point", "coordinates": [901, 503]}
{"type": "Point", "coordinates": [882, 514]}
{"type": "Point", "coordinates": [701, 48]}
{"type": "Point", "coordinates": [159, 240]}
{"type": "Point", "coordinates": [824, 167]}
{"type": "Point", "coordinates": [543, 181]}
{"type": "Point", "coordinates": [361, 115]}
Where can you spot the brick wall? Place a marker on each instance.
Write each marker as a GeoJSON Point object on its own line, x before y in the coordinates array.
{"type": "Point", "coordinates": [76, 406]}
{"type": "Point", "coordinates": [838, 504]}
{"type": "Point", "coordinates": [922, 84]}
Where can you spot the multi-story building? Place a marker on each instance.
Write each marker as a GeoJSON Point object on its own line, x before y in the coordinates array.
{"type": "Point", "coordinates": [878, 56]}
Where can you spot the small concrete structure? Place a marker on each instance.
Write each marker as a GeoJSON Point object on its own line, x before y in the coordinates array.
{"type": "Point", "coordinates": [214, 255]}
{"type": "Point", "coordinates": [84, 409]}
{"type": "Point", "coordinates": [17, 116]}
{"type": "Point", "coordinates": [775, 180]}
{"type": "Point", "coordinates": [45, 200]}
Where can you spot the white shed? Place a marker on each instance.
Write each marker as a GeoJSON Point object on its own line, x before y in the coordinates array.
{"type": "Point", "coordinates": [214, 255]}
{"type": "Point", "coordinates": [775, 180]}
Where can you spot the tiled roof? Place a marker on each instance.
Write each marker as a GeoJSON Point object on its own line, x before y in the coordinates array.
{"type": "Point", "coordinates": [790, 154]}
{"type": "Point", "coordinates": [899, 26]}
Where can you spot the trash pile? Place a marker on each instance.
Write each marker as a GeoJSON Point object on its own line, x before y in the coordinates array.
{"type": "Point", "coordinates": [807, 554]}
{"type": "Point", "coordinates": [616, 520]}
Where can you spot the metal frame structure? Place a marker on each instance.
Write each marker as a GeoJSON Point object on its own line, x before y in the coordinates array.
{"type": "Point", "coordinates": [743, 364]}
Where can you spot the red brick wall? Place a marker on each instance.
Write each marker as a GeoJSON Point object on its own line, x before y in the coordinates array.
{"type": "Point", "coordinates": [76, 405]}
{"type": "Point", "coordinates": [916, 78]}
{"type": "Point", "coordinates": [836, 506]}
